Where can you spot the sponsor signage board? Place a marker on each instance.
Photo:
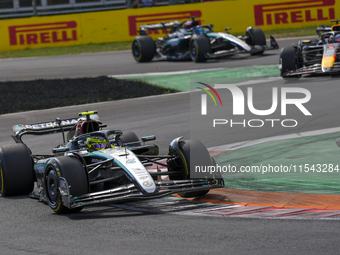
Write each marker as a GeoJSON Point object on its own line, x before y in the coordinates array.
{"type": "Point", "coordinates": [123, 25]}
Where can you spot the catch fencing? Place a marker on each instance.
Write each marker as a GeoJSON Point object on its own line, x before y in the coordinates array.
{"type": "Point", "coordinates": [28, 8]}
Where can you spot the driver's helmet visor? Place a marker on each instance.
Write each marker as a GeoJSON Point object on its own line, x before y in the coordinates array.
{"type": "Point", "coordinates": [96, 143]}
{"type": "Point", "coordinates": [337, 38]}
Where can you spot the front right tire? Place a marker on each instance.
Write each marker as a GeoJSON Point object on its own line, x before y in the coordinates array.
{"type": "Point", "coordinates": [130, 138]}
{"type": "Point", "coordinates": [193, 153]}
{"type": "Point", "coordinates": [199, 46]}
{"type": "Point", "coordinates": [288, 61]}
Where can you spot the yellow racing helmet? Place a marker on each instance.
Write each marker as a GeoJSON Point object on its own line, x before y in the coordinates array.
{"type": "Point", "coordinates": [96, 143]}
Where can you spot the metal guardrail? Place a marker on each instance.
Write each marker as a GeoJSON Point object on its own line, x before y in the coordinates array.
{"type": "Point", "coordinates": [28, 8]}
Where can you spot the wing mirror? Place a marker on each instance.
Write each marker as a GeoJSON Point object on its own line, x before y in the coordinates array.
{"type": "Point", "coordinates": [148, 138]}
{"type": "Point", "coordinates": [60, 150]}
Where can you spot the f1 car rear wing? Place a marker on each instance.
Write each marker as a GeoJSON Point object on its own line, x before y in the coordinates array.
{"type": "Point", "coordinates": [158, 26]}
{"type": "Point", "coordinates": [51, 126]}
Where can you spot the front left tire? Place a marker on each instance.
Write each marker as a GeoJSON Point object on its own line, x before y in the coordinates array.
{"type": "Point", "coordinates": [73, 171]}
{"type": "Point", "coordinates": [256, 36]}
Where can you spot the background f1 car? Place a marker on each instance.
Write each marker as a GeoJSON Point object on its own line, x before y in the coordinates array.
{"type": "Point", "coordinates": [189, 40]}
{"type": "Point", "coordinates": [313, 56]}
{"type": "Point", "coordinates": [100, 166]}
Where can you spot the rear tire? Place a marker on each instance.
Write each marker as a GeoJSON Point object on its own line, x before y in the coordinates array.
{"type": "Point", "coordinates": [143, 48]}
{"type": "Point", "coordinates": [16, 170]}
{"type": "Point", "coordinates": [199, 46]}
{"type": "Point", "coordinates": [288, 61]}
{"type": "Point", "coordinates": [256, 36]}
{"type": "Point", "coordinates": [73, 171]}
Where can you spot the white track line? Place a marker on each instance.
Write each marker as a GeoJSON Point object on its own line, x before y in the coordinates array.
{"type": "Point", "coordinates": [166, 73]}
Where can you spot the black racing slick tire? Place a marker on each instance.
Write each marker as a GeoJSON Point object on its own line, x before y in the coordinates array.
{"type": "Point", "coordinates": [194, 153]}
{"type": "Point", "coordinates": [288, 61]}
{"type": "Point", "coordinates": [256, 36]}
{"type": "Point", "coordinates": [16, 170]}
{"type": "Point", "coordinates": [73, 171]}
{"type": "Point", "coordinates": [199, 46]}
{"type": "Point", "coordinates": [143, 48]}
{"type": "Point", "coordinates": [130, 138]}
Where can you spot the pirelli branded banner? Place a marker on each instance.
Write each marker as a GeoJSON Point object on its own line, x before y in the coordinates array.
{"type": "Point", "coordinates": [122, 25]}
{"type": "Point", "coordinates": [292, 14]}
{"type": "Point", "coordinates": [43, 33]}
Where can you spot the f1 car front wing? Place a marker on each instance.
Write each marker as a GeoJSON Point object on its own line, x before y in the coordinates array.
{"type": "Point", "coordinates": [316, 69]}
{"type": "Point", "coordinates": [130, 192]}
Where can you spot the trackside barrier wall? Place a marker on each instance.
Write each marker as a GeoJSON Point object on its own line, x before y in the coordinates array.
{"type": "Point", "coordinates": [122, 25]}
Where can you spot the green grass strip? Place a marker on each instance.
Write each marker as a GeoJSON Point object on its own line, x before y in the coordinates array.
{"type": "Point", "coordinates": [181, 81]}
{"type": "Point", "coordinates": [303, 154]}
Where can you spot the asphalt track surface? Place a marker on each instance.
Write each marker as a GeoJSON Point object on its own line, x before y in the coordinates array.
{"type": "Point", "coordinates": [115, 63]}
{"type": "Point", "coordinates": [30, 227]}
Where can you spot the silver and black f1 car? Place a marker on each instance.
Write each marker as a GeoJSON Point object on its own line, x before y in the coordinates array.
{"type": "Point", "coordinates": [189, 40]}
{"type": "Point", "coordinates": [100, 166]}
{"type": "Point", "coordinates": [313, 56]}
